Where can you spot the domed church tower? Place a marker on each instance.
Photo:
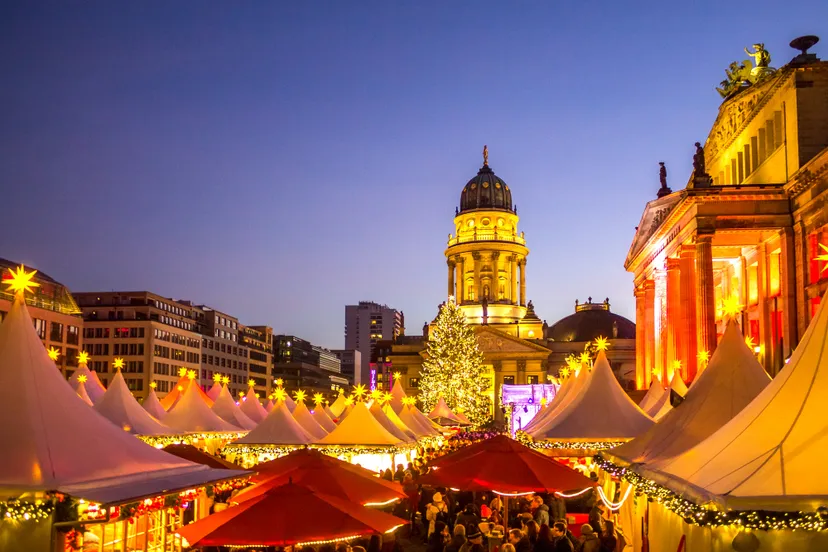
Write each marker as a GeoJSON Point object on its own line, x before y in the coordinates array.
{"type": "Point", "coordinates": [487, 257]}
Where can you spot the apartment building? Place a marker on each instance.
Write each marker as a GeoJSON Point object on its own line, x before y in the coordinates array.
{"type": "Point", "coordinates": [221, 351]}
{"type": "Point", "coordinates": [259, 343]}
{"type": "Point", "coordinates": [365, 324]}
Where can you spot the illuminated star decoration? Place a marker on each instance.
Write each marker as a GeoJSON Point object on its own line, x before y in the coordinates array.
{"type": "Point", "coordinates": [251, 382]}
{"type": "Point", "coordinates": [81, 378]}
{"type": "Point", "coordinates": [182, 372]}
{"type": "Point", "coordinates": [359, 391]}
{"type": "Point", "coordinates": [676, 364]}
{"type": "Point", "coordinates": [53, 353]}
{"type": "Point", "coordinates": [191, 375]}
{"type": "Point", "coordinates": [543, 401]}
{"type": "Point", "coordinates": [318, 398]}
{"type": "Point", "coordinates": [21, 281]}
{"type": "Point", "coordinates": [703, 356]}
{"type": "Point", "coordinates": [225, 379]}
{"type": "Point", "coordinates": [585, 358]}
{"type": "Point", "coordinates": [397, 376]}
{"type": "Point", "coordinates": [656, 373]}
{"type": "Point", "coordinates": [118, 363]}
{"type": "Point", "coordinates": [731, 306]}
{"type": "Point", "coordinates": [409, 400]}
{"type": "Point", "coordinates": [564, 372]}
{"type": "Point", "coordinates": [300, 395]}
{"type": "Point", "coordinates": [83, 357]}
{"type": "Point", "coordinates": [376, 394]}
{"type": "Point", "coordinates": [749, 342]}
{"type": "Point", "coordinates": [601, 343]}
{"type": "Point", "coordinates": [279, 382]}
{"type": "Point", "coordinates": [153, 384]}
{"type": "Point", "coordinates": [386, 397]}
{"type": "Point", "coordinates": [279, 394]}
{"type": "Point", "coordinates": [823, 257]}
{"type": "Point", "coordinates": [217, 377]}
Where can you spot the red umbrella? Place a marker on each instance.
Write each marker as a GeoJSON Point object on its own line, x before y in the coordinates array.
{"type": "Point", "coordinates": [285, 516]}
{"type": "Point", "coordinates": [299, 458]}
{"type": "Point", "coordinates": [503, 465]}
{"type": "Point", "coordinates": [330, 476]}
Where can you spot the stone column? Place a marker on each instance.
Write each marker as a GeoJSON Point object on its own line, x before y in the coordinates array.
{"type": "Point", "coordinates": [787, 268]}
{"type": "Point", "coordinates": [689, 349]}
{"type": "Point", "coordinates": [642, 373]}
{"type": "Point", "coordinates": [513, 298]}
{"type": "Point", "coordinates": [765, 337]}
{"type": "Point", "coordinates": [521, 372]}
{"type": "Point", "coordinates": [674, 315]}
{"type": "Point", "coordinates": [451, 267]}
{"type": "Point", "coordinates": [649, 325]}
{"type": "Point", "coordinates": [523, 282]}
{"type": "Point", "coordinates": [476, 257]}
{"type": "Point", "coordinates": [497, 382]}
{"type": "Point", "coordinates": [705, 294]}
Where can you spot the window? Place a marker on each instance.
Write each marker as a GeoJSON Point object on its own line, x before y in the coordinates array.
{"type": "Point", "coordinates": [71, 357]}
{"type": "Point", "coordinates": [508, 380]}
{"type": "Point", "coordinates": [56, 332]}
{"type": "Point", "coordinates": [414, 383]}
{"type": "Point", "coordinates": [40, 327]}
{"type": "Point", "coordinates": [532, 380]}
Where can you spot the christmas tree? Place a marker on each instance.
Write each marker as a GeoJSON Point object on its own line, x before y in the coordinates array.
{"type": "Point", "coordinates": [453, 367]}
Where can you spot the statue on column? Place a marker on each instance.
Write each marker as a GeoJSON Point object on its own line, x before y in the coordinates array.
{"type": "Point", "coordinates": [700, 177]}
{"type": "Point", "coordinates": [662, 177]}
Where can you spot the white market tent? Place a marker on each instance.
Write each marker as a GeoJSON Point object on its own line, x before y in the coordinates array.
{"type": "Point", "coordinates": [171, 398]}
{"type": "Point", "coordinates": [663, 406]}
{"type": "Point", "coordinates": [564, 399]}
{"type": "Point", "coordinates": [214, 391]}
{"type": "Point", "coordinates": [52, 440]}
{"type": "Point", "coordinates": [395, 419]}
{"type": "Point", "coordinates": [768, 456]}
{"type": "Point", "coordinates": [397, 394]}
{"type": "Point", "coordinates": [601, 411]}
{"type": "Point", "coordinates": [278, 428]}
{"type": "Point", "coordinates": [543, 413]}
{"type": "Point", "coordinates": [226, 409]}
{"type": "Point", "coordinates": [360, 428]}
{"type": "Point", "coordinates": [81, 391]}
{"type": "Point", "coordinates": [345, 413]}
{"type": "Point", "coordinates": [422, 426]}
{"type": "Point", "coordinates": [302, 415]}
{"type": "Point", "coordinates": [441, 411]}
{"type": "Point", "coordinates": [94, 387]}
{"type": "Point", "coordinates": [119, 407]}
{"type": "Point", "coordinates": [290, 403]}
{"type": "Point", "coordinates": [338, 406]}
{"type": "Point", "coordinates": [321, 416]}
{"type": "Point", "coordinates": [269, 405]}
{"type": "Point", "coordinates": [192, 414]}
{"type": "Point", "coordinates": [153, 406]}
{"type": "Point", "coordinates": [252, 408]}
{"type": "Point", "coordinates": [376, 410]}
{"type": "Point", "coordinates": [732, 379]}
{"type": "Point", "coordinates": [425, 420]}
{"type": "Point", "coordinates": [653, 396]}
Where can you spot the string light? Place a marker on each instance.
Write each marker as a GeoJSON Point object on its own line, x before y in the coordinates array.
{"type": "Point", "coordinates": [19, 510]}
{"type": "Point", "coordinates": [573, 495]}
{"type": "Point", "coordinates": [329, 541]}
{"type": "Point", "coordinates": [386, 503]}
{"type": "Point", "coordinates": [513, 494]}
{"type": "Point", "coordinates": [525, 439]}
{"type": "Point", "coordinates": [614, 505]}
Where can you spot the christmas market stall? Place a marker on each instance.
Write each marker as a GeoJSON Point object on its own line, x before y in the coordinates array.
{"type": "Point", "coordinates": [320, 414]}
{"type": "Point", "coordinates": [184, 378]}
{"type": "Point", "coordinates": [302, 415]}
{"type": "Point", "coordinates": [67, 474]}
{"type": "Point", "coordinates": [153, 405]}
{"type": "Point", "coordinates": [94, 387]}
{"type": "Point", "coordinates": [250, 404]}
{"type": "Point", "coordinates": [227, 409]}
{"type": "Point", "coordinates": [119, 407]}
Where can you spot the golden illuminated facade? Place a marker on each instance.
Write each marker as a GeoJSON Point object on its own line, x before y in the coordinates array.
{"type": "Point", "coordinates": [750, 227]}
{"type": "Point", "coordinates": [486, 260]}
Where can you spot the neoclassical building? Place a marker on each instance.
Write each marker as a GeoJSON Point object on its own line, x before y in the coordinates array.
{"type": "Point", "coordinates": [486, 259]}
{"type": "Point", "coordinates": [750, 227]}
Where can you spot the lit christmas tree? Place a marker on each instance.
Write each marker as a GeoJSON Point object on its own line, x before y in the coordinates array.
{"type": "Point", "coordinates": [453, 367]}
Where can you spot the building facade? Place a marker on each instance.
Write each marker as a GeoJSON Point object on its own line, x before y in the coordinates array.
{"type": "Point", "coordinates": [365, 324]}
{"type": "Point", "coordinates": [750, 228]}
{"type": "Point", "coordinates": [302, 365]}
{"type": "Point", "coordinates": [350, 361]}
{"type": "Point", "coordinates": [259, 343]}
{"type": "Point", "coordinates": [222, 350]}
{"type": "Point", "coordinates": [56, 316]}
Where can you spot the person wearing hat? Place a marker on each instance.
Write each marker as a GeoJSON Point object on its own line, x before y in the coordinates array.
{"type": "Point", "coordinates": [588, 541]}
{"type": "Point", "coordinates": [436, 511]}
{"type": "Point", "coordinates": [475, 537]}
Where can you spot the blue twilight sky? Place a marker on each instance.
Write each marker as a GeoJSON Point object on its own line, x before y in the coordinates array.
{"type": "Point", "coordinates": [278, 160]}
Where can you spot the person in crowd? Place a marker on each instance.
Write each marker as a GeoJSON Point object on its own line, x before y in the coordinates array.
{"type": "Point", "coordinates": [532, 530]}
{"type": "Point", "coordinates": [540, 511]}
{"type": "Point", "coordinates": [589, 540]}
{"type": "Point", "coordinates": [544, 540]}
{"type": "Point", "coordinates": [387, 475]}
{"type": "Point", "coordinates": [474, 538]}
{"type": "Point", "coordinates": [608, 539]}
{"type": "Point", "coordinates": [343, 547]}
{"type": "Point", "coordinates": [596, 518]}
{"type": "Point", "coordinates": [496, 504]}
{"type": "Point", "coordinates": [495, 517]}
{"type": "Point", "coordinates": [557, 507]}
{"type": "Point", "coordinates": [519, 541]}
{"type": "Point", "coordinates": [437, 540]}
{"type": "Point", "coordinates": [412, 491]}
{"type": "Point", "coordinates": [399, 474]}
{"type": "Point", "coordinates": [436, 511]}
{"type": "Point", "coordinates": [562, 544]}
{"type": "Point", "coordinates": [569, 534]}
{"type": "Point", "coordinates": [374, 544]}
{"type": "Point", "coordinates": [467, 517]}
{"type": "Point", "coordinates": [458, 539]}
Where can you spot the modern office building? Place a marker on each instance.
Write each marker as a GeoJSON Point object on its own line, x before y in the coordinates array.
{"type": "Point", "coordinates": [221, 349]}
{"type": "Point", "coordinates": [350, 360]}
{"type": "Point", "coordinates": [301, 365]}
{"type": "Point", "coordinates": [259, 343]}
{"type": "Point", "coordinates": [365, 324]}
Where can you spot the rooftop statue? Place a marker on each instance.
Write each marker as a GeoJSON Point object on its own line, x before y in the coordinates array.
{"type": "Point", "coordinates": [746, 72]}
{"type": "Point", "coordinates": [761, 57]}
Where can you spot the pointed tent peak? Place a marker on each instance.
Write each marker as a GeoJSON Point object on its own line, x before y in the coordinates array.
{"type": "Point", "coordinates": [252, 408]}
{"type": "Point", "coordinates": [399, 424]}
{"type": "Point", "coordinates": [323, 419]}
{"type": "Point", "coordinates": [192, 414]}
{"type": "Point", "coordinates": [442, 410]}
{"type": "Point", "coordinates": [171, 398]}
{"type": "Point", "coordinates": [397, 393]}
{"type": "Point", "coordinates": [378, 413]}
{"type": "Point", "coordinates": [308, 422]}
{"type": "Point", "coordinates": [226, 409]}
{"type": "Point", "coordinates": [20, 281]}
{"type": "Point", "coordinates": [278, 428]}
{"type": "Point", "coordinates": [338, 405]}
{"type": "Point", "coordinates": [119, 407]}
{"type": "Point", "coordinates": [269, 405]}
{"type": "Point", "coordinates": [93, 385]}
{"type": "Point", "coordinates": [215, 390]}
{"type": "Point", "coordinates": [419, 426]}
{"type": "Point", "coordinates": [81, 391]}
{"type": "Point", "coordinates": [677, 384]}
{"type": "Point", "coordinates": [153, 406]}
{"type": "Point", "coordinates": [653, 395]}
{"type": "Point", "coordinates": [360, 427]}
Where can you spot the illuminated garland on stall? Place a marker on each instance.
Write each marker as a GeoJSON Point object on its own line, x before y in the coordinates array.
{"type": "Point", "coordinates": [525, 439]}
{"type": "Point", "coordinates": [330, 450]}
{"type": "Point", "coordinates": [702, 516]}
{"type": "Point", "coordinates": [161, 441]}
{"type": "Point", "coordinates": [21, 510]}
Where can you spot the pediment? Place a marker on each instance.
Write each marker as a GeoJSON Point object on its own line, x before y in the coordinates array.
{"type": "Point", "coordinates": [491, 340]}
{"type": "Point", "coordinates": [655, 213]}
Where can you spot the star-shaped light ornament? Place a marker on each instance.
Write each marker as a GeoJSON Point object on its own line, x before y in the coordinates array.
{"type": "Point", "coordinates": [543, 402]}
{"type": "Point", "coordinates": [376, 394]}
{"type": "Point", "coordinates": [153, 384]}
{"type": "Point", "coordinates": [731, 306]}
{"type": "Point", "coordinates": [118, 363]}
{"type": "Point", "coordinates": [823, 257]}
{"type": "Point", "coordinates": [564, 372]}
{"type": "Point", "coordinates": [749, 342]}
{"type": "Point", "coordinates": [409, 400]}
{"type": "Point", "coordinates": [300, 395]}
{"type": "Point", "coordinates": [601, 343]}
{"type": "Point", "coordinates": [279, 394]}
{"type": "Point", "coordinates": [279, 382]}
{"type": "Point", "coordinates": [397, 376]}
{"type": "Point", "coordinates": [182, 372]}
{"type": "Point", "coordinates": [349, 401]}
{"type": "Point", "coordinates": [83, 357]}
{"type": "Point", "coordinates": [191, 375]}
{"type": "Point", "coordinates": [676, 364]}
{"type": "Point", "coordinates": [82, 378]}
{"type": "Point", "coordinates": [251, 382]}
{"type": "Point", "coordinates": [359, 391]}
{"type": "Point", "coordinates": [585, 359]}
{"type": "Point", "coordinates": [20, 281]}
{"type": "Point", "coordinates": [386, 397]}
{"type": "Point", "coordinates": [703, 357]}
{"type": "Point", "coordinates": [225, 379]}
{"type": "Point", "coordinates": [318, 399]}
{"type": "Point", "coordinates": [656, 374]}
{"type": "Point", "coordinates": [217, 377]}
{"type": "Point", "coordinates": [53, 353]}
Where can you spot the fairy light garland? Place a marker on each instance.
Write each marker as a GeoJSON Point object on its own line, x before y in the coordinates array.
{"type": "Point", "coordinates": [572, 495]}
{"type": "Point", "coordinates": [161, 441]}
{"type": "Point", "coordinates": [21, 510]}
{"type": "Point", "coordinates": [708, 516]}
{"type": "Point", "coordinates": [525, 439]}
{"type": "Point", "coordinates": [614, 506]}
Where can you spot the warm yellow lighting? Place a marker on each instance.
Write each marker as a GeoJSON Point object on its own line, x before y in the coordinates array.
{"type": "Point", "coordinates": [83, 357]}
{"type": "Point", "coordinates": [279, 394]}
{"type": "Point", "coordinates": [585, 358]}
{"type": "Point", "coordinates": [543, 401]}
{"type": "Point", "coordinates": [601, 343]}
{"type": "Point", "coordinates": [749, 342]}
{"type": "Point", "coordinates": [82, 378]}
{"type": "Point", "coordinates": [676, 364]}
{"type": "Point", "coordinates": [118, 363]}
{"type": "Point", "coordinates": [251, 382]}
{"type": "Point", "coordinates": [225, 379]}
{"type": "Point", "coordinates": [731, 306]}
{"type": "Point", "coordinates": [564, 372]}
{"type": "Point", "coordinates": [300, 395]}
{"type": "Point", "coordinates": [279, 382]}
{"type": "Point", "coordinates": [703, 356]}
{"type": "Point", "coordinates": [411, 401]}
{"type": "Point", "coordinates": [53, 353]}
{"type": "Point", "coordinates": [349, 401]}
{"type": "Point", "coordinates": [191, 375]}
{"type": "Point", "coordinates": [376, 394]}
{"type": "Point", "coordinates": [217, 377]}
{"type": "Point", "coordinates": [21, 281]}
{"type": "Point", "coordinates": [180, 388]}
{"type": "Point", "coordinates": [359, 390]}
{"type": "Point", "coordinates": [397, 376]}
{"type": "Point", "coordinates": [153, 384]}
{"type": "Point", "coordinates": [387, 397]}
{"type": "Point", "coordinates": [656, 374]}
{"type": "Point", "coordinates": [757, 349]}
{"type": "Point", "coordinates": [318, 398]}
{"type": "Point", "coordinates": [823, 257]}
{"type": "Point", "coordinates": [182, 372]}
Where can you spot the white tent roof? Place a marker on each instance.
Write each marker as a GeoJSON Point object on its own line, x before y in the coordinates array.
{"type": "Point", "coordinates": [397, 395]}
{"type": "Point", "coordinates": [269, 405]}
{"type": "Point", "coordinates": [153, 406]}
{"type": "Point", "coordinates": [425, 420]}
{"type": "Point", "coordinates": [602, 411]}
{"type": "Point", "coordinates": [416, 424]}
{"type": "Point", "coordinates": [171, 398]}
{"type": "Point", "coordinates": [81, 391]}
{"type": "Point", "coordinates": [345, 413]}
{"type": "Point", "coordinates": [321, 416]}
{"type": "Point", "coordinates": [558, 406]}
{"type": "Point", "coordinates": [252, 408]}
{"type": "Point", "coordinates": [120, 407]}
{"type": "Point", "coordinates": [302, 415]}
{"type": "Point", "coordinates": [214, 391]}
{"type": "Point", "coordinates": [360, 428]}
{"type": "Point", "coordinates": [226, 409]}
{"type": "Point", "coordinates": [394, 418]}
{"type": "Point", "coordinates": [663, 406]}
{"type": "Point", "coordinates": [53, 441]}
{"type": "Point", "coordinates": [769, 456]}
{"type": "Point", "coordinates": [278, 428]}
{"type": "Point", "coordinates": [290, 403]}
{"type": "Point", "coordinates": [94, 387]}
{"type": "Point", "coordinates": [442, 410]}
{"type": "Point", "coordinates": [192, 414]}
{"type": "Point", "coordinates": [656, 407]}
{"type": "Point", "coordinates": [653, 396]}
{"type": "Point", "coordinates": [376, 410]}
{"type": "Point", "coordinates": [338, 406]}
{"type": "Point", "coordinates": [731, 380]}
{"type": "Point", "coordinates": [542, 414]}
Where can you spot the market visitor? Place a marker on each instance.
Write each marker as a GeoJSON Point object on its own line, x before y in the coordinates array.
{"type": "Point", "coordinates": [562, 543]}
